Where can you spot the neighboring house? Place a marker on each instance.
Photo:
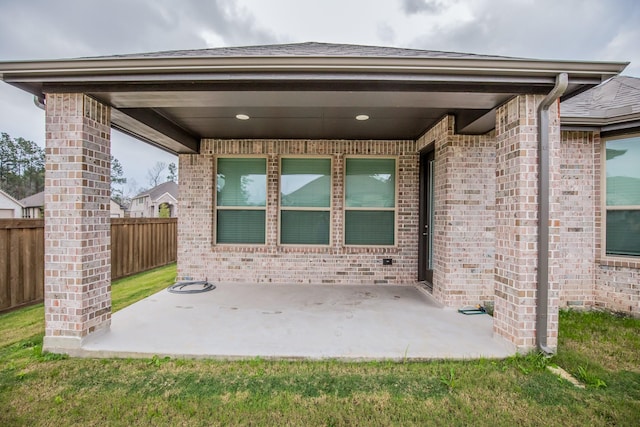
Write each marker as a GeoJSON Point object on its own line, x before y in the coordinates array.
{"type": "Point", "coordinates": [323, 163]}
{"type": "Point", "coordinates": [9, 207]}
{"type": "Point", "coordinates": [33, 206]}
{"type": "Point", "coordinates": [152, 203]}
{"type": "Point", "coordinates": [116, 210]}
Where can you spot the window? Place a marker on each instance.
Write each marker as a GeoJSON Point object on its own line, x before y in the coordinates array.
{"type": "Point", "coordinates": [305, 201]}
{"type": "Point", "coordinates": [623, 196]}
{"type": "Point", "coordinates": [370, 201]}
{"type": "Point", "coordinates": [241, 200]}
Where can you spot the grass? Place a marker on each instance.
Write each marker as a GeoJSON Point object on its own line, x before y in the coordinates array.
{"type": "Point", "coordinates": [46, 389]}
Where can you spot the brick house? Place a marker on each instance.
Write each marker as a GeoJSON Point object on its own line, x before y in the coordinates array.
{"type": "Point", "coordinates": [320, 163]}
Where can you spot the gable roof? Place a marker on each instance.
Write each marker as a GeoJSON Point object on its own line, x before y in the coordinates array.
{"type": "Point", "coordinates": [613, 105]}
{"type": "Point", "coordinates": [34, 201]}
{"type": "Point", "coordinates": [157, 191]}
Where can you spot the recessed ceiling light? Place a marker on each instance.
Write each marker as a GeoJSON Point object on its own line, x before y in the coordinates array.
{"type": "Point", "coordinates": [362, 117]}
{"type": "Point", "coordinates": [242, 117]}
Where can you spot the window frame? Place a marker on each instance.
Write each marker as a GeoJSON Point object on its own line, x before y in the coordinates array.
{"type": "Point", "coordinates": [393, 209]}
{"type": "Point", "coordinates": [309, 208]}
{"type": "Point", "coordinates": [605, 256]}
{"type": "Point", "coordinates": [216, 208]}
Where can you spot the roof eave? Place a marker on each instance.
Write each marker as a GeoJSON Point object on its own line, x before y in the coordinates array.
{"type": "Point", "coordinates": [163, 194]}
{"type": "Point", "coordinates": [603, 124]}
{"type": "Point", "coordinates": [12, 71]}
{"type": "Point", "coordinates": [11, 198]}
{"type": "Point", "coordinates": [599, 121]}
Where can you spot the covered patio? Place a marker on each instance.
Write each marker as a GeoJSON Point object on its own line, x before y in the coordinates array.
{"type": "Point", "coordinates": [438, 168]}
{"type": "Point", "coordinates": [292, 322]}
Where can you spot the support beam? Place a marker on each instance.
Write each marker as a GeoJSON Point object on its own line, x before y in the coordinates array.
{"type": "Point", "coordinates": [156, 127]}
{"type": "Point", "coordinates": [77, 224]}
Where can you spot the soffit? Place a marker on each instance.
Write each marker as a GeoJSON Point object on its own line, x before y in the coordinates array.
{"type": "Point", "coordinates": [304, 114]}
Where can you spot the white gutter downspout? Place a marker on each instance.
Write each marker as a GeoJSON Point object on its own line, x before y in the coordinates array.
{"type": "Point", "coordinates": [562, 81]}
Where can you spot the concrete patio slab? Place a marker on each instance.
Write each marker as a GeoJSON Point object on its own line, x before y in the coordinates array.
{"type": "Point", "coordinates": [298, 321]}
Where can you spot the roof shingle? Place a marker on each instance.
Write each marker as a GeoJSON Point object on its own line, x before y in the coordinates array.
{"type": "Point", "coordinates": [157, 191]}
{"type": "Point", "coordinates": [308, 49]}
{"type": "Point", "coordinates": [617, 96]}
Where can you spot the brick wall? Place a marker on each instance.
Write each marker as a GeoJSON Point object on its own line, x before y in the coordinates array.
{"type": "Point", "coordinates": [618, 288]}
{"type": "Point", "coordinates": [485, 235]}
{"type": "Point", "coordinates": [588, 278]}
{"type": "Point", "coordinates": [517, 221]}
{"type": "Point", "coordinates": [580, 171]}
{"type": "Point", "coordinates": [464, 228]}
{"type": "Point", "coordinates": [199, 257]}
{"type": "Point", "coordinates": [77, 223]}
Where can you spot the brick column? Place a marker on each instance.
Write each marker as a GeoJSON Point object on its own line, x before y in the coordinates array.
{"type": "Point", "coordinates": [77, 224]}
{"type": "Point", "coordinates": [517, 222]}
{"type": "Point", "coordinates": [195, 223]}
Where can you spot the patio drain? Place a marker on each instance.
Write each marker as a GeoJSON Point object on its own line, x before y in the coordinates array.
{"type": "Point", "coordinates": [196, 287]}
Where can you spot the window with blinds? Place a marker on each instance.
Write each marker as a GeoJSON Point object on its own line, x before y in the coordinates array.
{"type": "Point", "coordinates": [305, 201]}
{"type": "Point", "coordinates": [623, 196]}
{"type": "Point", "coordinates": [241, 200]}
{"type": "Point", "coordinates": [370, 201]}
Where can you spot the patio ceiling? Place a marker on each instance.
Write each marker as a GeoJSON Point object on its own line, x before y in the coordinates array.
{"type": "Point", "coordinates": [174, 99]}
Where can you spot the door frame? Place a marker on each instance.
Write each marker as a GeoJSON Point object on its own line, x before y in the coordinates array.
{"type": "Point", "coordinates": [425, 227]}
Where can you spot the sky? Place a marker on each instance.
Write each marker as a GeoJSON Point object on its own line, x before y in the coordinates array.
{"type": "Point", "coordinates": [598, 30]}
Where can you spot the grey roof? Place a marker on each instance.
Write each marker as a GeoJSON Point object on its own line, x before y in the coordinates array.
{"type": "Point", "coordinates": [34, 201]}
{"type": "Point", "coordinates": [37, 201]}
{"type": "Point", "coordinates": [617, 97]}
{"type": "Point", "coordinates": [311, 90]}
{"type": "Point", "coordinates": [157, 191]}
{"type": "Point", "coordinates": [309, 49]}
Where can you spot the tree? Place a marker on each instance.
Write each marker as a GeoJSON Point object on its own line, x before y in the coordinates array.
{"type": "Point", "coordinates": [164, 211]}
{"type": "Point", "coordinates": [154, 174]}
{"type": "Point", "coordinates": [173, 172]}
{"type": "Point", "coordinates": [117, 181]}
{"type": "Point", "coordinates": [21, 166]}
{"type": "Point", "coordinates": [133, 189]}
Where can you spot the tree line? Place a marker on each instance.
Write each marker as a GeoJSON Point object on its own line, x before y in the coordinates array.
{"type": "Point", "coordinates": [22, 165]}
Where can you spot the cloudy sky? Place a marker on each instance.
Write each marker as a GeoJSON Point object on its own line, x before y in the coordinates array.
{"type": "Point", "coordinates": [607, 30]}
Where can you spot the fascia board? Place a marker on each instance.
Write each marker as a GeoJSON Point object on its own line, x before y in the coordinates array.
{"type": "Point", "coordinates": [167, 66]}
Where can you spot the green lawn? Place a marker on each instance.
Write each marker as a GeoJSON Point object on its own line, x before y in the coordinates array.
{"type": "Point", "coordinates": [602, 350]}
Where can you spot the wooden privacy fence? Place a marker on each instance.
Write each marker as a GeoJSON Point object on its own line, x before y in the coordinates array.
{"type": "Point", "coordinates": [140, 244]}
{"type": "Point", "coordinates": [137, 244]}
{"type": "Point", "coordinates": [21, 262]}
